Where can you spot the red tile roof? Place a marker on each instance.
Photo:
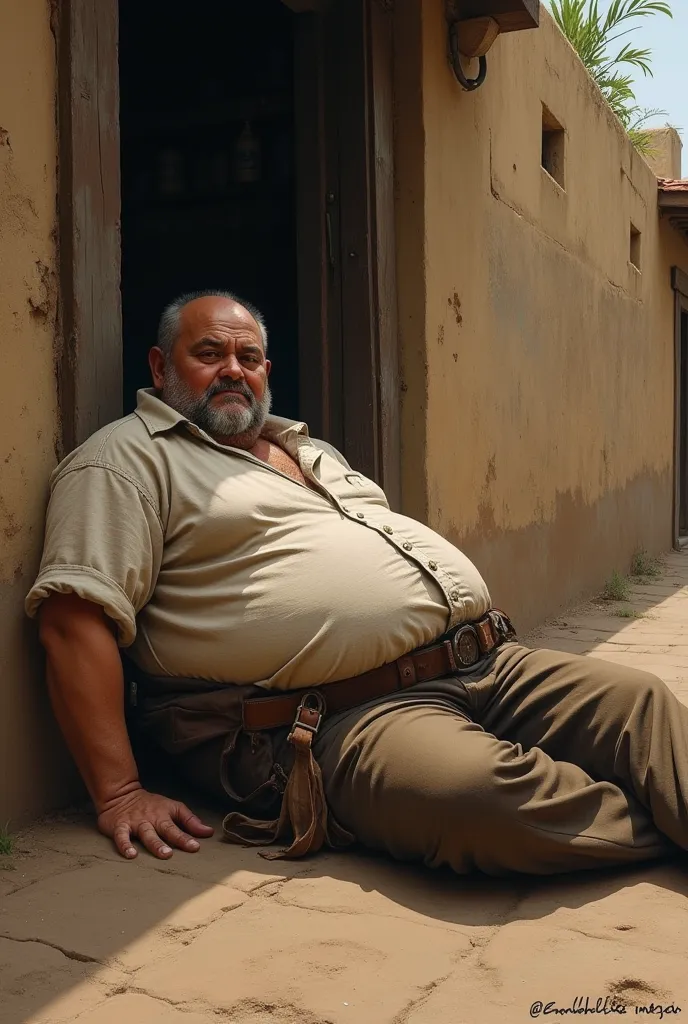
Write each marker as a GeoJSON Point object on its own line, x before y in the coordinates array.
{"type": "Point", "coordinates": [673, 202]}
{"type": "Point", "coordinates": [673, 185]}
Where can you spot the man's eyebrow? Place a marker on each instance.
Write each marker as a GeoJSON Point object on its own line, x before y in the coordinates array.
{"type": "Point", "coordinates": [205, 342]}
{"type": "Point", "coordinates": [249, 345]}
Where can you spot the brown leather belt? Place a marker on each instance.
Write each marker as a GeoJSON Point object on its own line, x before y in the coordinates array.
{"type": "Point", "coordinates": [456, 652]}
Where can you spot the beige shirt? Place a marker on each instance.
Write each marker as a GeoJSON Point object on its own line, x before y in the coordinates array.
{"type": "Point", "coordinates": [218, 566]}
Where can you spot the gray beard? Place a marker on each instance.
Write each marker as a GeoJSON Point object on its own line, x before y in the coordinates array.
{"type": "Point", "coordinates": [238, 425]}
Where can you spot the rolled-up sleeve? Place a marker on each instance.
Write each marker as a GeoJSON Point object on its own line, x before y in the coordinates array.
{"type": "Point", "coordinates": [103, 542]}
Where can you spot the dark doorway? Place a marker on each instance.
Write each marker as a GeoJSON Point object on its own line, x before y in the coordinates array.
{"type": "Point", "coordinates": [207, 164]}
{"type": "Point", "coordinates": [257, 152]}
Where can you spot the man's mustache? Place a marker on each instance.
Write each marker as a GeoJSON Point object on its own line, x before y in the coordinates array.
{"type": "Point", "coordinates": [231, 386]}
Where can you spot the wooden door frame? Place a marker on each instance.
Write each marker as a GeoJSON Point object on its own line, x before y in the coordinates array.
{"type": "Point", "coordinates": [348, 332]}
{"type": "Point", "coordinates": [386, 335]}
{"type": "Point", "coordinates": [89, 363]}
{"type": "Point", "coordinates": [679, 283]}
{"type": "Point", "coordinates": [349, 362]}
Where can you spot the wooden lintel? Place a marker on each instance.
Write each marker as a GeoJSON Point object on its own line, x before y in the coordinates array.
{"type": "Point", "coordinates": [673, 200]}
{"type": "Point", "coordinates": [510, 15]}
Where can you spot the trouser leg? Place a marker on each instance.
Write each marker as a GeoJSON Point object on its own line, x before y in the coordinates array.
{"type": "Point", "coordinates": [617, 723]}
{"type": "Point", "coordinates": [425, 781]}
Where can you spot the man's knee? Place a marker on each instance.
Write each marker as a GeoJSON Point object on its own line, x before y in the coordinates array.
{"type": "Point", "coordinates": [636, 688]}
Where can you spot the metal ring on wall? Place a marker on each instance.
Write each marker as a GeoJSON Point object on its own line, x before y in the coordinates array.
{"type": "Point", "coordinates": [469, 84]}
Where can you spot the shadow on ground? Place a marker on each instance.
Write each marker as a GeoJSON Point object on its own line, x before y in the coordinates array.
{"type": "Point", "coordinates": [75, 918]}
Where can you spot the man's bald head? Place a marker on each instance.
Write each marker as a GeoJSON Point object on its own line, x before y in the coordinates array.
{"type": "Point", "coordinates": [210, 365]}
{"type": "Point", "coordinates": [170, 321]}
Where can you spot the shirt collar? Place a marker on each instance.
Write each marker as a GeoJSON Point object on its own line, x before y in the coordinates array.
{"type": "Point", "coordinates": [157, 415]}
{"type": "Point", "coordinates": [159, 418]}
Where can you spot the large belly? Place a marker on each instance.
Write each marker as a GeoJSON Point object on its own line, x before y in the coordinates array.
{"type": "Point", "coordinates": [324, 602]}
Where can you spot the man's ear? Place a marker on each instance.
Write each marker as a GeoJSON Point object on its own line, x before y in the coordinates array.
{"type": "Point", "coordinates": [268, 367]}
{"type": "Point", "coordinates": [156, 361]}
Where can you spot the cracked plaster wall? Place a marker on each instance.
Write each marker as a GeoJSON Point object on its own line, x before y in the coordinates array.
{"type": "Point", "coordinates": [33, 768]}
{"type": "Point", "coordinates": [537, 362]}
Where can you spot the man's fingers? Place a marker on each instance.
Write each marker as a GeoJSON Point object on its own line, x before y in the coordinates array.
{"type": "Point", "coordinates": [122, 837]}
{"type": "Point", "coordinates": [152, 841]}
{"type": "Point", "coordinates": [192, 823]}
{"type": "Point", "coordinates": [175, 837]}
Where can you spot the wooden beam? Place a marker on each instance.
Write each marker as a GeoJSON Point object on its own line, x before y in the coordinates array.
{"type": "Point", "coordinates": [476, 36]}
{"type": "Point", "coordinates": [510, 15]}
{"type": "Point", "coordinates": [673, 201]}
{"type": "Point", "coordinates": [679, 281]}
{"type": "Point", "coordinates": [384, 246]}
{"type": "Point", "coordinates": [360, 365]}
{"type": "Point", "coordinates": [90, 363]}
{"type": "Point", "coordinates": [312, 235]}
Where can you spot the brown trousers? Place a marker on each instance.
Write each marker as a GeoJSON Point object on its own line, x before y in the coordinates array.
{"type": "Point", "coordinates": [538, 762]}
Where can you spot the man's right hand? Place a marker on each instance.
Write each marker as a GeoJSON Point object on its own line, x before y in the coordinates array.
{"type": "Point", "coordinates": [154, 820]}
{"type": "Point", "coordinates": [86, 687]}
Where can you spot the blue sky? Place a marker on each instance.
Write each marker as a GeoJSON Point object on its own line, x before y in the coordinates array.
{"type": "Point", "coordinates": [668, 89]}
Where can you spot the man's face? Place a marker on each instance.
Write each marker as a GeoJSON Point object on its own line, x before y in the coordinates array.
{"type": "Point", "coordinates": [217, 372]}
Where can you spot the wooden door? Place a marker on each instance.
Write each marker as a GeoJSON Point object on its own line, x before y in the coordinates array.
{"type": "Point", "coordinates": [347, 299]}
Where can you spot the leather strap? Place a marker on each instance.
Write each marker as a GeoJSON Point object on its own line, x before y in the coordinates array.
{"type": "Point", "coordinates": [420, 666]}
{"type": "Point", "coordinates": [304, 816]}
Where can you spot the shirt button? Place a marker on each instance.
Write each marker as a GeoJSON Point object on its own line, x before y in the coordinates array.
{"type": "Point", "coordinates": [407, 547]}
{"type": "Point", "coordinates": [432, 565]}
{"type": "Point", "coordinates": [388, 529]}
{"type": "Point", "coordinates": [455, 596]}
{"type": "Point", "coordinates": [360, 515]}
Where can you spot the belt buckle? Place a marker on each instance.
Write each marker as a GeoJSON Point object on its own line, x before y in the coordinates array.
{"type": "Point", "coordinates": [313, 706]}
{"type": "Point", "coordinates": [466, 647]}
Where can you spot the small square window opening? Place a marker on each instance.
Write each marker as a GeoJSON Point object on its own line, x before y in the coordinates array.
{"type": "Point", "coordinates": [634, 255]}
{"type": "Point", "coordinates": [553, 157]}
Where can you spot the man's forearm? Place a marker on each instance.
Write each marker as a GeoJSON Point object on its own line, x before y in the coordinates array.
{"type": "Point", "coordinates": [87, 692]}
{"type": "Point", "coordinates": [86, 688]}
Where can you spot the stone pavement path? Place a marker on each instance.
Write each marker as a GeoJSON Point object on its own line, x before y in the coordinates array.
{"type": "Point", "coordinates": [225, 936]}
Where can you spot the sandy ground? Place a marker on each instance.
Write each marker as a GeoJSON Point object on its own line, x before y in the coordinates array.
{"type": "Point", "coordinates": [224, 936]}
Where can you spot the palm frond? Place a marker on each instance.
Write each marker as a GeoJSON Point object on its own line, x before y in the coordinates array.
{"type": "Point", "coordinates": [592, 34]}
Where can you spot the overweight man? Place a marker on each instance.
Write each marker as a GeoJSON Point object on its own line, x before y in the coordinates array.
{"type": "Point", "coordinates": [331, 671]}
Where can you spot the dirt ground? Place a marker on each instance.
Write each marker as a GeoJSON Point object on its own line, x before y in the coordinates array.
{"type": "Point", "coordinates": [224, 935]}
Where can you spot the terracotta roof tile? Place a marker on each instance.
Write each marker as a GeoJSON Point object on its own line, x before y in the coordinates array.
{"type": "Point", "coordinates": [673, 185]}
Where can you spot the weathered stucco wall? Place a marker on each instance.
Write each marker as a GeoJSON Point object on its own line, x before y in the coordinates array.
{"type": "Point", "coordinates": [538, 413]}
{"type": "Point", "coordinates": [666, 153]}
{"type": "Point", "coordinates": [34, 770]}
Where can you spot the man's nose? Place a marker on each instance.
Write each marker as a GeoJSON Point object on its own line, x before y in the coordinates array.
{"type": "Point", "coordinates": [231, 368]}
